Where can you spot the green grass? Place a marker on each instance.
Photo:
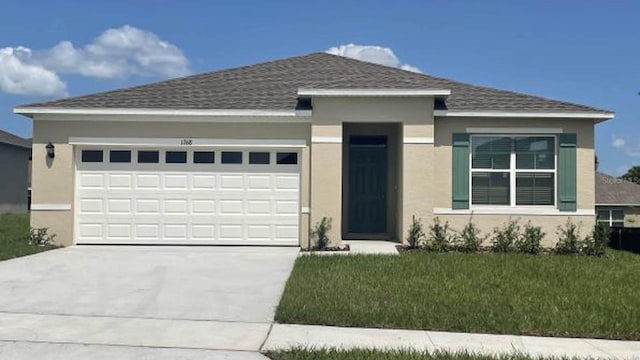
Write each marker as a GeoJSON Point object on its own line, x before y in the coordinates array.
{"type": "Point", "coordinates": [14, 232]}
{"type": "Point", "coordinates": [488, 293]}
{"type": "Point", "coordinates": [304, 354]}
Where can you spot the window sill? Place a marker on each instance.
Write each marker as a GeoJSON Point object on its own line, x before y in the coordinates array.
{"type": "Point", "coordinates": [513, 211]}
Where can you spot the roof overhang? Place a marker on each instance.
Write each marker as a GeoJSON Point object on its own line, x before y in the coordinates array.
{"type": "Point", "coordinates": [30, 111]}
{"type": "Point", "coordinates": [516, 114]}
{"type": "Point", "coordinates": [374, 92]}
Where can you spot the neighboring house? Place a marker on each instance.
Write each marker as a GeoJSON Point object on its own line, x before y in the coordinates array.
{"type": "Point", "coordinates": [260, 154]}
{"type": "Point", "coordinates": [14, 173]}
{"type": "Point", "coordinates": [617, 201]}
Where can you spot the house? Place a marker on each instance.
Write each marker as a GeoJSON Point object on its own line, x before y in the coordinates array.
{"type": "Point", "coordinates": [15, 153]}
{"type": "Point", "coordinates": [260, 154]}
{"type": "Point", "coordinates": [617, 201]}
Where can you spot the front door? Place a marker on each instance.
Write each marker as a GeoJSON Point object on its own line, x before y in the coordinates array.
{"type": "Point", "coordinates": [368, 184]}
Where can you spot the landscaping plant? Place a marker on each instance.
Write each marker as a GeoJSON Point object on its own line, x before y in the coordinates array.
{"type": "Point", "coordinates": [596, 242]}
{"type": "Point", "coordinates": [469, 239]}
{"type": "Point", "coordinates": [505, 238]}
{"type": "Point", "coordinates": [40, 237]}
{"type": "Point", "coordinates": [320, 233]}
{"type": "Point", "coordinates": [416, 234]}
{"type": "Point", "coordinates": [568, 239]}
{"type": "Point", "coordinates": [529, 242]}
{"type": "Point", "coordinates": [439, 239]}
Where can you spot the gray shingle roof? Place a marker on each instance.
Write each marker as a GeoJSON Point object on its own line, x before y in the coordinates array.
{"type": "Point", "coordinates": [8, 138]}
{"type": "Point", "coordinates": [273, 86]}
{"type": "Point", "coordinates": [614, 191]}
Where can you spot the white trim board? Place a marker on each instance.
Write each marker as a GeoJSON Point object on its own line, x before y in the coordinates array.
{"type": "Point", "coordinates": [161, 112]}
{"type": "Point", "coordinates": [418, 140]}
{"type": "Point", "coordinates": [50, 207]}
{"type": "Point", "coordinates": [513, 211]}
{"type": "Point", "coordinates": [188, 142]}
{"type": "Point", "coordinates": [515, 130]}
{"type": "Point", "coordinates": [614, 205]}
{"type": "Point", "coordinates": [326, 139]}
{"type": "Point", "coordinates": [373, 92]}
{"type": "Point", "coordinates": [516, 114]}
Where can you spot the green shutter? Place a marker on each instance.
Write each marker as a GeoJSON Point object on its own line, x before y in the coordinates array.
{"type": "Point", "coordinates": [460, 171]}
{"type": "Point", "coordinates": [567, 172]}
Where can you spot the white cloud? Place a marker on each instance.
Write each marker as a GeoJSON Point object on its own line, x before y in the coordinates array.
{"type": "Point", "coordinates": [116, 53]}
{"type": "Point", "coordinates": [618, 142]}
{"type": "Point", "coordinates": [19, 77]}
{"type": "Point", "coordinates": [371, 53]}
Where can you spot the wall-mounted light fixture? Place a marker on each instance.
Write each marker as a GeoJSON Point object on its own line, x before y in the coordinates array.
{"type": "Point", "coordinates": [51, 150]}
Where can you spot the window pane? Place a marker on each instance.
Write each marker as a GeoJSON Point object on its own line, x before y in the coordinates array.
{"type": "Point", "coordinates": [618, 223]}
{"type": "Point", "coordinates": [203, 157]}
{"type": "Point", "coordinates": [148, 157]}
{"type": "Point", "coordinates": [490, 152]}
{"type": "Point", "coordinates": [617, 215]}
{"type": "Point", "coordinates": [490, 188]}
{"type": "Point", "coordinates": [91, 155]}
{"type": "Point", "coordinates": [603, 215]}
{"type": "Point", "coordinates": [176, 157]}
{"type": "Point", "coordinates": [232, 157]}
{"type": "Point", "coordinates": [287, 158]}
{"type": "Point", "coordinates": [536, 152]}
{"type": "Point", "coordinates": [259, 158]}
{"type": "Point", "coordinates": [120, 156]}
{"type": "Point", "coordinates": [534, 188]}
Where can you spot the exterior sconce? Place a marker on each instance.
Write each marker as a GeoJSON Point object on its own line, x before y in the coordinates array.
{"type": "Point", "coordinates": [51, 150]}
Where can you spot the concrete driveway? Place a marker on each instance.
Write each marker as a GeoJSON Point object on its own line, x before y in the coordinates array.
{"type": "Point", "coordinates": [141, 302]}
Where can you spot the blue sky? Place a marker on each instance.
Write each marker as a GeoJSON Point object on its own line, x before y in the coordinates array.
{"type": "Point", "coordinates": [581, 51]}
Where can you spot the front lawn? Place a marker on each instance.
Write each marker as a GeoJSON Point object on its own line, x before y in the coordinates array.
{"type": "Point", "coordinates": [551, 295]}
{"type": "Point", "coordinates": [304, 354]}
{"type": "Point", "coordinates": [14, 234]}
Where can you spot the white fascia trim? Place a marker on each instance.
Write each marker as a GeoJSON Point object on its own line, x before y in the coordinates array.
{"type": "Point", "coordinates": [513, 211]}
{"type": "Point", "coordinates": [188, 142]}
{"type": "Point", "coordinates": [373, 92]}
{"type": "Point", "coordinates": [50, 207]}
{"type": "Point", "coordinates": [418, 140]}
{"type": "Point", "coordinates": [613, 205]}
{"type": "Point", "coordinates": [326, 139]}
{"type": "Point", "coordinates": [515, 130]}
{"type": "Point", "coordinates": [515, 114]}
{"type": "Point", "coordinates": [160, 112]}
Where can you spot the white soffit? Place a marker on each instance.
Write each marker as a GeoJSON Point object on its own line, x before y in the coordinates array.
{"type": "Point", "coordinates": [515, 130]}
{"type": "Point", "coordinates": [374, 92]}
{"type": "Point", "coordinates": [161, 112]}
{"type": "Point", "coordinates": [515, 114]}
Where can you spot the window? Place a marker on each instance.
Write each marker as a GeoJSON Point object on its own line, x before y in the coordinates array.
{"type": "Point", "coordinates": [120, 156]}
{"type": "Point", "coordinates": [259, 158]}
{"type": "Point", "coordinates": [176, 157]}
{"type": "Point", "coordinates": [287, 158]}
{"type": "Point", "coordinates": [611, 217]}
{"type": "Point", "coordinates": [92, 156]}
{"type": "Point", "coordinates": [513, 170]}
{"type": "Point", "coordinates": [148, 157]}
{"type": "Point", "coordinates": [204, 157]}
{"type": "Point", "coordinates": [232, 157]}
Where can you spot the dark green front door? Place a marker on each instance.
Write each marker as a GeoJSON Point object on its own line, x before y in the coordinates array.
{"type": "Point", "coordinates": [367, 184]}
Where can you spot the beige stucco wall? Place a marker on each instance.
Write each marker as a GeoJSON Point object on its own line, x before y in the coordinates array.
{"type": "Point", "coordinates": [445, 127]}
{"type": "Point", "coordinates": [329, 114]}
{"type": "Point", "coordinates": [53, 179]}
{"type": "Point", "coordinates": [632, 216]}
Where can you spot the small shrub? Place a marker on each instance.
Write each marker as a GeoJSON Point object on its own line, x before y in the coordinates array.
{"type": "Point", "coordinates": [469, 239]}
{"type": "Point", "coordinates": [439, 238]}
{"type": "Point", "coordinates": [596, 242]}
{"type": "Point", "coordinates": [568, 239]}
{"type": "Point", "coordinates": [416, 234]}
{"type": "Point", "coordinates": [506, 237]}
{"type": "Point", "coordinates": [321, 233]}
{"type": "Point", "coordinates": [40, 237]}
{"type": "Point", "coordinates": [529, 242]}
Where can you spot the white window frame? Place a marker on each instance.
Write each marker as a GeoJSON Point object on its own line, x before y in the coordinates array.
{"type": "Point", "coordinates": [610, 211]}
{"type": "Point", "coordinates": [513, 171]}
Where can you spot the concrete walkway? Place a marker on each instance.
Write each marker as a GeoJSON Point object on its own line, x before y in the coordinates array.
{"type": "Point", "coordinates": [284, 337]}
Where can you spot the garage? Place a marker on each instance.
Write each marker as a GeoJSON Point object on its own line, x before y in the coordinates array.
{"type": "Point", "coordinates": [217, 196]}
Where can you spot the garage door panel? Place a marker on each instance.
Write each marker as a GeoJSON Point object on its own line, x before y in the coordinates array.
{"type": "Point", "coordinates": [202, 204]}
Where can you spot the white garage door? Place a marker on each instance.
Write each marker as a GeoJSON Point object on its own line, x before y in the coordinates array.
{"type": "Point", "coordinates": [164, 196]}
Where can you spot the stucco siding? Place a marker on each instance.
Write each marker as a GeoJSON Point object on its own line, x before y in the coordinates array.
{"type": "Point", "coordinates": [632, 216]}
{"type": "Point", "coordinates": [14, 178]}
